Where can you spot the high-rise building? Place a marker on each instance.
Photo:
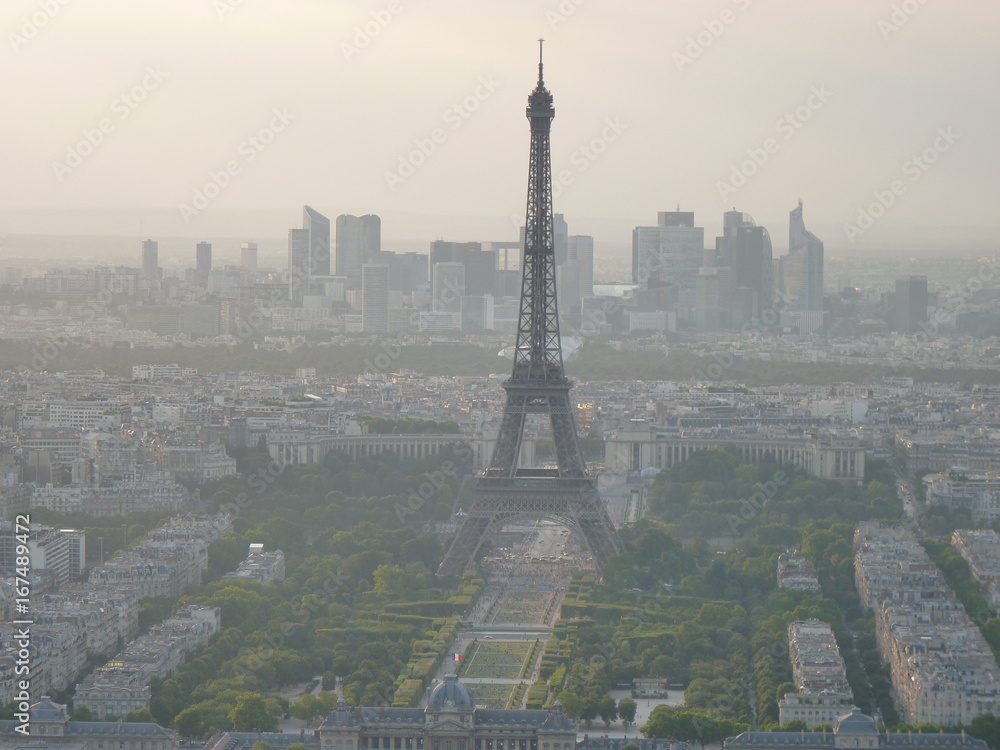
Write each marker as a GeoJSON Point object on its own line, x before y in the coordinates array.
{"type": "Point", "coordinates": [203, 259]}
{"type": "Point", "coordinates": [714, 305]}
{"type": "Point", "coordinates": [575, 277]}
{"type": "Point", "coordinates": [407, 271]}
{"type": "Point", "coordinates": [150, 259]}
{"type": "Point", "coordinates": [669, 255]}
{"type": "Point", "coordinates": [800, 277]}
{"type": "Point", "coordinates": [298, 265]}
{"type": "Point", "coordinates": [248, 256]}
{"type": "Point", "coordinates": [448, 286]}
{"type": "Point", "coordinates": [508, 278]}
{"type": "Point", "coordinates": [359, 240]}
{"type": "Point", "coordinates": [477, 314]}
{"type": "Point", "coordinates": [375, 298]}
{"type": "Point", "coordinates": [746, 248]}
{"type": "Point", "coordinates": [480, 265]}
{"type": "Point", "coordinates": [560, 238]}
{"type": "Point", "coordinates": [910, 305]}
{"type": "Point", "coordinates": [318, 227]}
{"type": "Point", "coordinates": [802, 268]}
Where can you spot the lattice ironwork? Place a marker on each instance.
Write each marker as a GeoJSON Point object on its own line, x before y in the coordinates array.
{"type": "Point", "coordinates": [537, 385]}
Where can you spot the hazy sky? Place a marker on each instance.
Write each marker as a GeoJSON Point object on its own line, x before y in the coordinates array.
{"type": "Point", "coordinates": [658, 103]}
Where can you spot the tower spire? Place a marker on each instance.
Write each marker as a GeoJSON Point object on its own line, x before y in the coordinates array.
{"type": "Point", "coordinates": [541, 82]}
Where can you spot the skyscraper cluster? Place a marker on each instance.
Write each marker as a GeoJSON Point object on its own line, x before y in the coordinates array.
{"type": "Point", "coordinates": [467, 286]}
{"type": "Point", "coordinates": [733, 285]}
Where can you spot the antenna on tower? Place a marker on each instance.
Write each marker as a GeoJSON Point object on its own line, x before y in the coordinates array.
{"type": "Point", "coordinates": [540, 43]}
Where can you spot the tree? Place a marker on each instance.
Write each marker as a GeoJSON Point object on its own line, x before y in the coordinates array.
{"type": "Point", "coordinates": [689, 726]}
{"type": "Point", "coordinates": [154, 610]}
{"type": "Point", "coordinates": [82, 713]}
{"type": "Point", "coordinates": [327, 700]}
{"type": "Point", "coordinates": [572, 704]}
{"type": "Point", "coordinates": [661, 666]}
{"type": "Point", "coordinates": [251, 714]}
{"type": "Point", "coordinates": [390, 579]}
{"type": "Point", "coordinates": [706, 466]}
{"type": "Point", "coordinates": [307, 707]}
{"type": "Point", "coordinates": [777, 533]}
{"type": "Point", "coordinates": [190, 722]}
{"type": "Point", "coordinates": [246, 609]}
{"type": "Point", "coordinates": [607, 710]}
{"type": "Point", "coordinates": [987, 728]}
{"type": "Point", "coordinates": [626, 711]}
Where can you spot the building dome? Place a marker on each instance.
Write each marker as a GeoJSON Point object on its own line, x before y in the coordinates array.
{"type": "Point", "coordinates": [450, 695]}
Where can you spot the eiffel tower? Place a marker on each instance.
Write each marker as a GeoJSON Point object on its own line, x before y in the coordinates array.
{"type": "Point", "coordinates": [537, 385]}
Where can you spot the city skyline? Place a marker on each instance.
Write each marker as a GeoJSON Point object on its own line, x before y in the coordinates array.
{"type": "Point", "coordinates": [691, 486]}
{"type": "Point", "coordinates": [872, 106]}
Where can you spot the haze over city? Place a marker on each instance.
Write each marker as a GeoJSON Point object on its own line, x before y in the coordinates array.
{"type": "Point", "coordinates": [415, 112]}
{"type": "Point", "coordinates": [456, 375]}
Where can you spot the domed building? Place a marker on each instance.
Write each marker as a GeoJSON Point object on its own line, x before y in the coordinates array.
{"type": "Point", "coordinates": [451, 721]}
{"type": "Point", "coordinates": [450, 695]}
